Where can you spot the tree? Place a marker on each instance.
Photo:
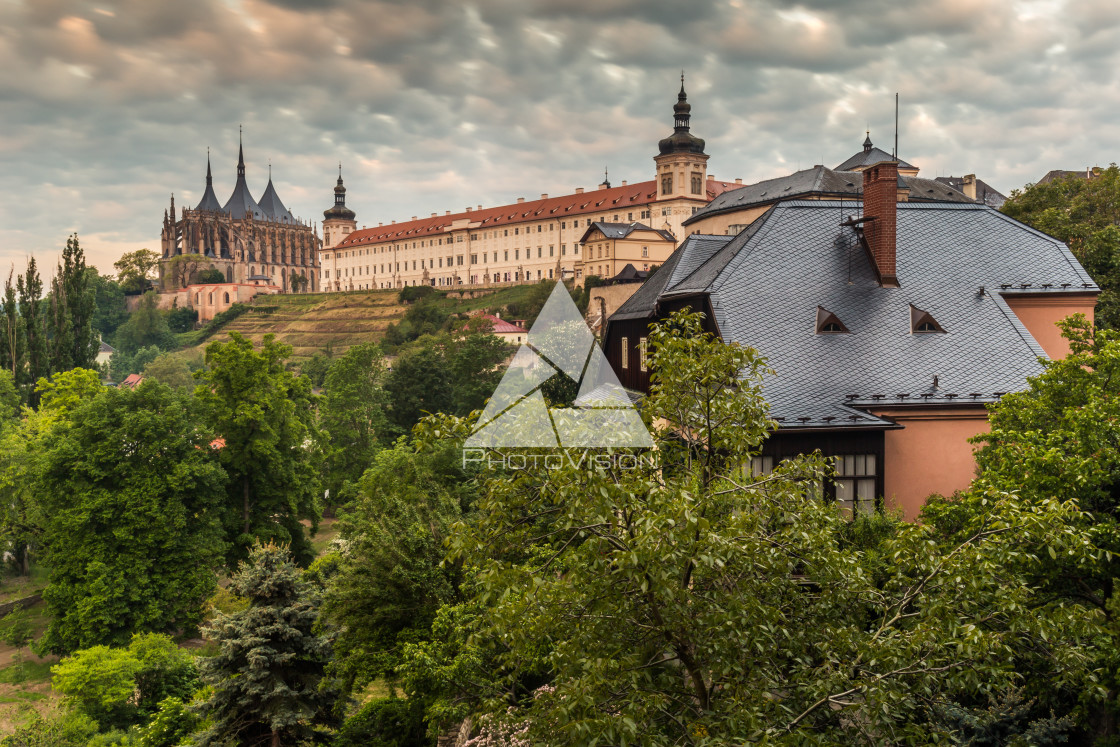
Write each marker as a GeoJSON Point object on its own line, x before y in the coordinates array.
{"type": "Point", "coordinates": [666, 597]}
{"type": "Point", "coordinates": [391, 579]}
{"type": "Point", "coordinates": [109, 311]}
{"type": "Point", "coordinates": [73, 339]}
{"type": "Point", "coordinates": [210, 275]}
{"type": "Point", "coordinates": [131, 498]}
{"type": "Point", "coordinates": [172, 369]}
{"type": "Point", "coordinates": [1085, 214]}
{"type": "Point", "coordinates": [182, 268]}
{"type": "Point", "coordinates": [135, 269]}
{"type": "Point", "coordinates": [181, 319]}
{"type": "Point", "coordinates": [11, 333]}
{"type": "Point", "coordinates": [418, 384]}
{"type": "Point", "coordinates": [145, 327]}
{"type": "Point", "coordinates": [474, 361]}
{"type": "Point", "coordinates": [29, 287]}
{"type": "Point", "coordinates": [353, 415]}
{"type": "Point", "coordinates": [267, 672]}
{"type": "Point", "coordinates": [271, 448]}
{"type": "Point", "coordinates": [122, 687]}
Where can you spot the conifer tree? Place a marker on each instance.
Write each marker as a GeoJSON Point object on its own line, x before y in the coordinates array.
{"type": "Point", "coordinates": [29, 287]}
{"type": "Point", "coordinates": [74, 343]}
{"type": "Point", "coordinates": [266, 675]}
{"type": "Point", "coordinates": [11, 336]}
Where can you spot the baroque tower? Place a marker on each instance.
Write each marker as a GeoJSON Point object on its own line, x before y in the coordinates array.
{"type": "Point", "coordinates": [682, 164]}
{"type": "Point", "coordinates": [338, 220]}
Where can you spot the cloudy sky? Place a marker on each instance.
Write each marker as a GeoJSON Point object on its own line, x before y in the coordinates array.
{"type": "Point", "coordinates": [107, 107]}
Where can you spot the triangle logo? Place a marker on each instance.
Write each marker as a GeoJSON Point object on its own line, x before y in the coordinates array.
{"type": "Point", "coordinates": [559, 344]}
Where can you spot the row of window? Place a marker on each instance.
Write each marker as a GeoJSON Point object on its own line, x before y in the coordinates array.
{"type": "Point", "coordinates": [641, 353]}
{"type": "Point", "coordinates": [920, 321]}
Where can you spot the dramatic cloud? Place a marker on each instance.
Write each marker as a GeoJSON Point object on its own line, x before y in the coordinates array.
{"type": "Point", "coordinates": [109, 107]}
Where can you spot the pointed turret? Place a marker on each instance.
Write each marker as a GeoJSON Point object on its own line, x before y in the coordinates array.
{"type": "Point", "coordinates": [867, 145]}
{"type": "Point", "coordinates": [272, 206]}
{"type": "Point", "coordinates": [209, 200]}
{"type": "Point", "coordinates": [241, 203]}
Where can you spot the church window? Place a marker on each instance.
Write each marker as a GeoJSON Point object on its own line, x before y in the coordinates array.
{"type": "Point", "coordinates": [666, 184]}
{"type": "Point", "coordinates": [697, 183]}
{"type": "Point", "coordinates": [225, 297]}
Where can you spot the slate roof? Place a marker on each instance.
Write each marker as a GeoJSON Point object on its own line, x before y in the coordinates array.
{"type": "Point", "coordinates": [104, 347]}
{"type": "Point", "coordinates": [1056, 174]}
{"type": "Point", "coordinates": [819, 181]}
{"type": "Point", "coordinates": [985, 192]}
{"type": "Point", "coordinates": [870, 157]}
{"type": "Point", "coordinates": [622, 230]}
{"type": "Point", "coordinates": [765, 285]}
{"type": "Point", "coordinates": [209, 200]}
{"type": "Point", "coordinates": [273, 208]}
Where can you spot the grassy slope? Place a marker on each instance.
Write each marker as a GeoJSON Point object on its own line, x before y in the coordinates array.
{"type": "Point", "coordinates": [310, 322]}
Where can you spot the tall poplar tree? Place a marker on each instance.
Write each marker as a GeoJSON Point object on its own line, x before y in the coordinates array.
{"type": "Point", "coordinates": [29, 288]}
{"type": "Point", "coordinates": [74, 342]}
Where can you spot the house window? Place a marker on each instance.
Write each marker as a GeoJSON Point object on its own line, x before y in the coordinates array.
{"type": "Point", "coordinates": [225, 297]}
{"type": "Point", "coordinates": [642, 354]}
{"type": "Point", "coordinates": [645, 251]}
{"type": "Point", "coordinates": [855, 483]}
{"type": "Point", "coordinates": [759, 466]}
{"type": "Point", "coordinates": [625, 353]}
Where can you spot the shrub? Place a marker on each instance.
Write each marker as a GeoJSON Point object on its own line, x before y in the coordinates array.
{"type": "Point", "coordinates": [386, 722]}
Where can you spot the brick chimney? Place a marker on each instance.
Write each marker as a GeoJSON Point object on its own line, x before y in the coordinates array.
{"type": "Point", "coordinates": [880, 194]}
{"type": "Point", "coordinates": [968, 182]}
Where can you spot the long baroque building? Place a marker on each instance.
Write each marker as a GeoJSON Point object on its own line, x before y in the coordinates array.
{"type": "Point", "coordinates": [529, 240]}
{"type": "Point", "coordinates": [251, 242]}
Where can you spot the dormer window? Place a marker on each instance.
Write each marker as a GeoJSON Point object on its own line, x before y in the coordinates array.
{"type": "Point", "coordinates": [828, 323]}
{"type": "Point", "coordinates": [923, 321]}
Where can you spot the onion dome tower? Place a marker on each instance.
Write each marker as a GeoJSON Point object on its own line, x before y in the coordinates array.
{"type": "Point", "coordinates": [682, 164]}
{"type": "Point", "coordinates": [338, 220]}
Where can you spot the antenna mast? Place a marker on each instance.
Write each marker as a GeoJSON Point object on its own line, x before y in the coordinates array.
{"type": "Point", "coordinates": [895, 154]}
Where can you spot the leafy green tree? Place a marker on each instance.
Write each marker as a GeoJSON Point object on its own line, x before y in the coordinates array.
{"type": "Point", "coordinates": [11, 333]}
{"type": "Point", "coordinates": [315, 368]}
{"type": "Point", "coordinates": [385, 722]}
{"type": "Point", "coordinates": [677, 600]}
{"type": "Point", "coordinates": [425, 316]}
{"type": "Point", "coordinates": [171, 725]}
{"type": "Point", "coordinates": [474, 361]}
{"type": "Point", "coordinates": [122, 687]}
{"type": "Point", "coordinates": [1085, 214]}
{"type": "Point", "coordinates": [182, 268]}
{"type": "Point", "coordinates": [181, 319]}
{"type": "Point", "coordinates": [147, 326]}
{"type": "Point", "coordinates": [109, 310]}
{"type": "Point", "coordinates": [170, 368]}
{"type": "Point", "coordinates": [391, 579]}
{"type": "Point", "coordinates": [418, 384]}
{"type": "Point", "coordinates": [272, 448]}
{"type": "Point", "coordinates": [130, 499]}
{"type": "Point", "coordinates": [9, 399]}
{"type": "Point", "coordinates": [210, 275]}
{"type": "Point", "coordinates": [72, 305]}
{"type": "Point", "coordinates": [266, 675]}
{"type": "Point", "coordinates": [53, 729]}
{"type": "Point", "coordinates": [353, 414]}
{"type": "Point", "coordinates": [135, 270]}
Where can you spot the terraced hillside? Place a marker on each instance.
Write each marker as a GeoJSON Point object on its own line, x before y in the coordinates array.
{"type": "Point", "coordinates": [310, 322]}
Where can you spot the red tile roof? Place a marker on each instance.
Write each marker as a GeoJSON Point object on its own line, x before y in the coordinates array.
{"type": "Point", "coordinates": [501, 325]}
{"type": "Point", "coordinates": [132, 381]}
{"type": "Point", "coordinates": [595, 201]}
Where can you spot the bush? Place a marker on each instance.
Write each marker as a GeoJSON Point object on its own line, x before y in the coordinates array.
{"type": "Point", "coordinates": [411, 293]}
{"type": "Point", "coordinates": [16, 630]}
{"type": "Point", "coordinates": [210, 276]}
{"type": "Point", "coordinates": [387, 722]}
{"type": "Point", "coordinates": [56, 729]}
{"type": "Point", "coordinates": [181, 319]}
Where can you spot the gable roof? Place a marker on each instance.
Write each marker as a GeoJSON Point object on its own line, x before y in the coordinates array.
{"type": "Point", "coordinates": [604, 201]}
{"type": "Point", "coordinates": [817, 182]}
{"type": "Point", "coordinates": [985, 192]}
{"type": "Point", "coordinates": [501, 326]}
{"type": "Point", "coordinates": [765, 286]}
{"type": "Point", "coordinates": [623, 230]}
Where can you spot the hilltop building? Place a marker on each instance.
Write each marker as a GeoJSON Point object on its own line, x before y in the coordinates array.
{"type": "Point", "coordinates": [529, 240]}
{"type": "Point", "coordinates": [253, 243]}
{"type": "Point", "coordinates": [890, 324]}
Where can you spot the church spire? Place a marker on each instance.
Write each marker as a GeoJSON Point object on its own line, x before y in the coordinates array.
{"type": "Point", "coordinates": [681, 141]}
{"type": "Point", "coordinates": [240, 155]}
{"type": "Point", "coordinates": [867, 146]}
{"type": "Point", "coordinates": [339, 211]}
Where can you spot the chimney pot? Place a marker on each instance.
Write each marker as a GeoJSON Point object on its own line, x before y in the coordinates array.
{"type": "Point", "coordinates": [738, 180]}
{"type": "Point", "coordinates": [468, 208]}
{"type": "Point", "coordinates": [544, 196]}
{"type": "Point", "coordinates": [579, 190]}
{"type": "Point", "coordinates": [624, 182]}
{"type": "Point", "coordinates": [414, 217]}
{"type": "Point", "coordinates": [447, 212]}
{"type": "Point", "coordinates": [520, 200]}
{"type": "Point", "coordinates": [880, 201]}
